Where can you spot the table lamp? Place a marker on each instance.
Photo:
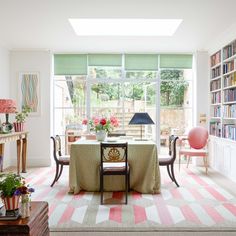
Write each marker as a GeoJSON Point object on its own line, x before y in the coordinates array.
{"type": "Point", "coordinates": [141, 118]}
{"type": "Point", "coordinates": [7, 106]}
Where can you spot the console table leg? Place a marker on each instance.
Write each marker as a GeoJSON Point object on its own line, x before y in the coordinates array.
{"type": "Point", "coordinates": [24, 150]}
{"type": "Point", "coordinates": [1, 156]}
{"type": "Point", "coordinates": [19, 147]}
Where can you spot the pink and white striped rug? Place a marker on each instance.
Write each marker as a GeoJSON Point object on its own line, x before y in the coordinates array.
{"type": "Point", "coordinates": [199, 204]}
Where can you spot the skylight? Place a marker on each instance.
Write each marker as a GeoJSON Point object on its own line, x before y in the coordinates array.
{"type": "Point", "coordinates": [125, 27]}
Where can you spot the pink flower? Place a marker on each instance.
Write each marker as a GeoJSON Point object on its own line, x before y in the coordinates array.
{"type": "Point", "coordinates": [85, 122]}
{"type": "Point", "coordinates": [96, 121]}
{"type": "Point", "coordinates": [114, 121]}
{"type": "Point", "coordinates": [103, 121]}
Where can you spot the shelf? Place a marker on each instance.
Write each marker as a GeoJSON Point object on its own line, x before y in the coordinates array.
{"type": "Point", "coordinates": [229, 87]}
{"type": "Point", "coordinates": [215, 66]}
{"type": "Point", "coordinates": [229, 118]}
{"type": "Point", "coordinates": [217, 90]}
{"type": "Point", "coordinates": [216, 78]}
{"type": "Point", "coordinates": [226, 103]}
{"type": "Point", "coordinates": [230, 58]}
{"type": "Point", "coordinates": [230, 72]}
{"type": "Point", "coordinates": [215, 117]}
{"type": "Point", "coordinates": [215, 104]}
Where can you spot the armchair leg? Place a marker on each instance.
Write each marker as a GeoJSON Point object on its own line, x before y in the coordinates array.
{"type": "Point", "coordinates": [205, 163]}
{"type": "Point", "coordinates": [188, 161]}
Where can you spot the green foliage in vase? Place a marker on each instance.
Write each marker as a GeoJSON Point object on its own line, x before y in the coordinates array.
{"type": "Point", "coordinates": [21, 116]}
{"type": "Point", "coordinates": [9, 183]}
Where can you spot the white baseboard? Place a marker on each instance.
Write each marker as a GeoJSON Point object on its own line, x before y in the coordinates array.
{"type": "Point", "coordinates": [34, 161]}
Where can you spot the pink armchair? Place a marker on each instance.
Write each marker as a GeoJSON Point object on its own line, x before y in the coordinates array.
{"type": "Point", "coordinates": [197, 140]}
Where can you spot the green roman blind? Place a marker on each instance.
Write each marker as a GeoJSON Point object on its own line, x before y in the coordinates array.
{"type": "Point", "coordinates": [105, 60]}
{"type": "Point", "coordinates": [70, 64]}
{"type": "Point", "coordinates": [181, 61]}
{"type": "Point", "coordinates": [141, 62]}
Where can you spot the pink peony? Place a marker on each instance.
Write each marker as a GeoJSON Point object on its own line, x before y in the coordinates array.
{"type": "Point", "coordinates": [85, 122]}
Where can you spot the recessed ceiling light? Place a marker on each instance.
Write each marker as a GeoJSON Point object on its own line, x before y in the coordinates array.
{"type": "Point", "coordinates": [125, 27]}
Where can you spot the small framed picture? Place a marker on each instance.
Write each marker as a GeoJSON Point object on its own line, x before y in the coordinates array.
{"type": "Point", "coordinates": [29, 91]}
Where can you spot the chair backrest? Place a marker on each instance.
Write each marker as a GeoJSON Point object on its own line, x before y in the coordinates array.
{"type": "Point", "coordinates": [56, 147]}
{"type": "Point", "coordinates": [114, 152]}
{"type": "Point", "coordinates": [197, 137]}
{"type": "Point", "coordinates": [172, 147]}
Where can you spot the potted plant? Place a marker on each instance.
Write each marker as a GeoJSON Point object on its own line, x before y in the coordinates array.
{"type": "Point", "coordinates": [9, 183]}
{"type": "Point", "coordinates": [20, 118]}
{"type": "Point", "coordinates": [12, 186]}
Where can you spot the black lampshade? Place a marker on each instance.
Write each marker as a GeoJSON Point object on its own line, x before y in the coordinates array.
{"type": "Point", "coordinates": [141, 118]}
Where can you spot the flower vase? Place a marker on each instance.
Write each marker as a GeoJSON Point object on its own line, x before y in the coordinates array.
{"type": "Point", "coordinates": [11, 203]}
{"type": "Point", "coordinates": [101, 135]}
{"type": "Point", "coordinates": [25, 206]}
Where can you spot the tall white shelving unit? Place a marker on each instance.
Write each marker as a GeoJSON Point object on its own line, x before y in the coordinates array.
{"type": "Point", "coordinates": [222, 125]}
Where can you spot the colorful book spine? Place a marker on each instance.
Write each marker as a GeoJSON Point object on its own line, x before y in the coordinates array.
{"type": "Point", "coordinates": [229, 131]}
{"type": "Point", "coordinates": [215, 128]}
{"type": "Point", "coordinates": [215, 84]}
{"type": "Point", "coordinates": [230, 95]}
{"type": "Point", "coordinates": [216, 97]}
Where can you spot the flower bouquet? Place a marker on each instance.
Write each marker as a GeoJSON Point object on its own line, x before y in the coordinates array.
{"type": "Point", "coordinates": [101, 125]}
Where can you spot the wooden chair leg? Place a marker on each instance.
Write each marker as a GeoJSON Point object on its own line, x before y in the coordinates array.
{"type": "Point", "coordinates": [61, 169]}
{"type": "Point", "coordinates": [56, 175]}
{"type": "Point", "coordinates": [101, 187]}
{"type": "Point", "coordinates": [129, 181]}
{"type": "Point", "coordinates": [126, 188]}
{"type": "Point", "coordinates": [173, 174]}
{"type": "Point", "coordinates": [168, 170]}
{"type": "Point", "coordinates": [179, 161]}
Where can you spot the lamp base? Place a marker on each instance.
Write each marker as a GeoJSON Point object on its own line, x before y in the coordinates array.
{"type": "Point", "coordinates": [6, 127]}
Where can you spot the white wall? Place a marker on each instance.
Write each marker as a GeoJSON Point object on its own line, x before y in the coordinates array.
{"type": "Point", "coordinates": [223, 39]}
{"type": "Point", "coordinates": [201, 96]}
{"type": "Point", "coordinates": [5, 93]}
{"type": "Point", "coordinates": [38, 126]}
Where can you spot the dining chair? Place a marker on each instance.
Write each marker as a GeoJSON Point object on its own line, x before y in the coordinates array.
{"type": "Point", "coordinates": [114, 161]}
{"type": "Point", "coordinates": [60, 159]}
{"type": "Point", "coordinates": [197, 141]}
{"type": "Point", "coordinates": [169, 160]}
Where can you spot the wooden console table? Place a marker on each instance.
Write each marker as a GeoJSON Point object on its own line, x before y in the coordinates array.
{"type": "Point", "coordinates": [21, 141]}
{"type": "Point", "coordinates": [35, 225]}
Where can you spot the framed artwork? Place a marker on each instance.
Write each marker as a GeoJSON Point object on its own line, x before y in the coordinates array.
{"type": "Point", "coordinates": [29, 91]}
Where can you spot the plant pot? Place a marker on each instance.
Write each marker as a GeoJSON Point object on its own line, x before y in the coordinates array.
{"type": "Point", "coordinates": [18, 126]}
{"type": "Point", "coordinates": [11, 203]}
{"type": "Point", "coordinates": [101, 135]}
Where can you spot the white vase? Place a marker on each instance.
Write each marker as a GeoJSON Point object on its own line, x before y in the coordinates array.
{"type": "Point", "coordinates": [25, 206]}
{"type": "Point", "coordinates": [101, 135]}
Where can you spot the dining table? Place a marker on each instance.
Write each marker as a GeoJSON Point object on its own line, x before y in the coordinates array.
{"type": "Point", "coordinates": [85, 165]}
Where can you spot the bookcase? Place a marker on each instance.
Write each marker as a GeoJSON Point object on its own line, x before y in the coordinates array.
{"type": "Point", "coordinates": [223, 92]}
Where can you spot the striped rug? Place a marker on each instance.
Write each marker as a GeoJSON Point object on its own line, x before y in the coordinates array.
{"type": "Point", "coordinates": [199, 204]}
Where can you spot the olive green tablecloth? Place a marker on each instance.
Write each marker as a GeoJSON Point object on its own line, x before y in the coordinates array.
{"type": "Point", "coordinates": [85, 161]}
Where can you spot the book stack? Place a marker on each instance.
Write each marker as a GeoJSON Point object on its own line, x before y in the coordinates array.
{"type": "Point", "coordinates": [216, 111]}
{"type": "Point", "coordinates": [230, 95]}
{"type": "Point", "coordinates": [215, 72]}
{"type": "Point", "coordinates": [230, 80]}
{"type": "Point", "coordinates": [215, 85]}
{"type": "Point", "coordinates": [215, 128]}
{"type": "Point", "coordinates": [229, 131]}
{"type": "Point", "coordinates": [215, 59]}
{"type": "Point", "coordinates": [216, 97]}
{"type": "Point", "coordinates": [229, 111]}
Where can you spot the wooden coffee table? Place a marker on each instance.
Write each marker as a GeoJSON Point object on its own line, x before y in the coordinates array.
{"type": "Point", "coordinates": [35, 225]}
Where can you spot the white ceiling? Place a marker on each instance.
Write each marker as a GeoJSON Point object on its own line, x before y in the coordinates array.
{"type": "Point", "coordinates": [43, 24]}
